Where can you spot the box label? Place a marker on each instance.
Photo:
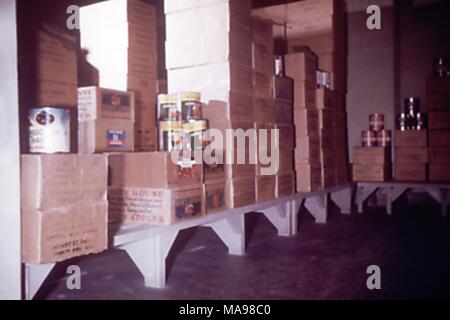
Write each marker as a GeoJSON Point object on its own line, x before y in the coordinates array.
{"type": "Point", "coordinates": [116, 138]}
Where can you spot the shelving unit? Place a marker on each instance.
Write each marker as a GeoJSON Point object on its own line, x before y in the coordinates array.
{"type": "Point", "coordinates": [148, 246]}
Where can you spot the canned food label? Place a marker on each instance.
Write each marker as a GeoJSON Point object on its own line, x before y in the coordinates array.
{"type": "Point", "coordinates": [116, 102]}
{"type": "Point", "coordinates": [116, 138]}
{"type": "Point", "coordinates": [49, 130]}
{"type": "Point", "coordinates": [215, 199]}
{"type": "Point", "coordinates": [188, 207]}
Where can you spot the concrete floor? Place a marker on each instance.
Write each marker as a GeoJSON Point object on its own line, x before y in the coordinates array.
{"type": "Point", "coordinates": [328, 261]}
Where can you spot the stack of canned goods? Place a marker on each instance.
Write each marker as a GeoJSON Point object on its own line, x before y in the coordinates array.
{"type": "Point", "coordinates": [376, 135]}
{"type": "Point", "coordinates": [441, 67]}
{"type": "Point", "coordinates": [411, 118]}
{"type": "Point", "coordinates": [180, 122]}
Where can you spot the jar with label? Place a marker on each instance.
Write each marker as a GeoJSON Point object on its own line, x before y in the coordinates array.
{"type": "Point", "coordinates": [196, 136]}
{"type": "Point", "coordinates": [279, 66]}
{"type": "Point", "coordinates": [170, 135]}
{"type": "Point", "coordinates": [191, 106]}
{"type": "Point", "coordinates": [168, 108]}
{"type": "Point", "coordinates": [402, 121]}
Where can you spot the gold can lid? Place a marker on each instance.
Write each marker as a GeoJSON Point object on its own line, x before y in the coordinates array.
{"type": "Point", "coordinates": [167, 98]}
{"type": "Point", "coordinates": [170, 125]}
{"type": "Point", "coordinates": [195, 125]}
{"type": "Point", "coordinates": [191, 96]}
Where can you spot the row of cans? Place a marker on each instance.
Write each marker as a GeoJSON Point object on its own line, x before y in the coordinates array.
{"type": "Point", "coordinates": [184, 106]}
{"type": "Point", "coordinates": [176, 135]}
{"type": "Point", "coordinates": [382, 138]}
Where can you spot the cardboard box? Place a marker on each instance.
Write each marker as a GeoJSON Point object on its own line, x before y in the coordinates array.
{"type": "Point", "coordinates": [328, 140]}
{"type": "Point", "coordinates": [63, 220]}
{"type": "Point", "coordinates": [263, 58]}
{"type": "Point", "coordinates": [97, 103]}
{"type": "Point", "coordinates": [55, 56]}
{"type": "Point", "coordinates": [262, 85]}
{"type": "Point", "coordinates": [439, 173]}
{"type": "Point", "coordinates": [439, 138]}
{"type": "Point", "coordinates": [154, 206]}
{"type": "Point", "coordinates": [161, 86]}
{"type": "Point", "coordinates": [411, 155]}
{"type": "Point", "coordinates": [145, 140]}
{"type": "Point", "coordinates": [284, 113]}
{"type": "Point", "coordinates": [213, 166]}
{"type": "Point", "coordinates": [238, 107]}
{"type": "Point", "coordinates": [305, 95]}
{"type": "Point", "coordinates": [438, 85]}
{"type": "Point", "coordinates": [410, 138]}
{"type": "Point", "coordinates": [144, 88]}
{"type": "Point", "coordinates": [327, 157]}
{"type": "Point", "coordinates": [50, 93]}
{"type": "Point", "coordinates": [106, 135]}
{"type": "Point", "coordinates": [236, 128]}
{"type": "Point", "coordinates": [371, 156]}
{"type": "Point", "coordinates": [306, 122]}
{"type": "Point", "coordinates": [326, 120]}
{"type": "Point", "coordinates": [307, 150]}
{"type": "Point", "coordinates": [214, 196]}
{"type": "Point", "coordinates": [324, 99]}
{"type": "Point", "coordinates": [341, 175]}
{"type": "Point", "coordinates": [153, 170]}
{"type": "Point", "coordinates": [214, 81]}
{"type": "Point", "coordinates": [209, 48]}
{"type": "Point", "coordinates": [309, 177]}
{"type": "Point", "coordinates": [301, 66]}
{"type": "Point", "coordinates": [328, 177]}
{"type": "Point", "coordinates": [265, 188]}
{"type": "Point", "coordinates": [283, 88]}
{"type": "Point", "coordinates": [284, 184]}
{"type": "Point", "coordinates": [264, 110]}
{"type": "Point", "coordinates": [240, 192]}
{"type": "Point", "coordinates": [410, 171]}
{"type": "Point", "coordinates": [234, 168]}
{"type": "Point", "coordinates": [320, 44]}
{"type": "Point", "coordinates": [371, 172]}
{"type": "Point", "coordinates": [286, 135]}
{"type": "Point", "coordinates": [439, 155]}
{"type": "Point", "coordinates": [439, 120]}
{"type": "Point", "coordinates": [310, 9]}
{"type": "Point", "coordinates": [438, 101]}
{"type": "Point", "coordinates": [262, 31]}
{"type": "Point", "coordinates": [286, 160]}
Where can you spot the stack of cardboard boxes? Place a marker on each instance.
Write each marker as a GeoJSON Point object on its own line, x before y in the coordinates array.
{"type": "Point", "coordinates": [302, 67]}
{"type": "Point", "coordinates": [209, 50]}
{"type": "Point", "coordinates": [121, 39]}
{"type": "Point", "coordinates": [371, 164]}
{"type": "Point", "coordinates": [438, 103]}
{"type": "Point", "coordinates": [411, 155]}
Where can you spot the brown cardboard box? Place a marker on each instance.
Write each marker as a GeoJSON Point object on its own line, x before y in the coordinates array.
{"type": "Point", "coordinates": [327, 157]}
{"type": "Point", "coordinates": [263, 60]}
{"type": "Point", "coordinates": [264, 110]}
{"type": "Point", "coordinates": [324, 99]}
{"type": "Point", "coordinates": [410, 138]}
{"type": "Point", "coordinates": [213, 166]}
{"type": "Point", "coordinates": [301, 66]}
{"type": "Point", "coordinates": [153, 170]}
{"type": "Point", "coordinates": [262, 31]}
{"type": "Point", "coordinates": [439, 138]}
{"type": "Point", "coordinates": [320, 44]}
{"type": "Point", "coordinates": [106, 135]}
{"type": "Point", "coordinates": [410, 171]}
{"type": "Point", "coordinates": [306, 122]}
{"type": "Point", "coordinates": [438, 101]}
{"type": "Point", "coordinates": [265, 188]}
{"type": "Point", "coordinates": [51, 93]}
{"type": "Point", "coordinates": [145, 140]}
{"type": "Point", "coordinates": [371, 156]}
{"type": "Point", "coordinates": [286, 160]}
{"type": "Point", "coordinates": [438, 85]}
{"type": "Point", "coordinates": [63, 220]}
{"type": "Point", "coordinates": [97, 103]}
{"type": "Point", "coordinates": [284, 112]}
{"type": "Point", "coordinates": [305, 95]}
{"type": "Point", "coordinates": [439, 120]}
{"type": "Point", "coordinates": [371, 172]}
{"type": "Point", "coordinates": [283, 88]}
{"type": "Point", "coordinates": [286, 135]}
{"type": "Point", "coordinates": [440, 172]}
{"type": "Point", "coordinates": [328, 139]}
{"type": "Point", "coordinates": [154, 206]}
{"type": "Point", "coordinates": [408, 154]}
{"type": "Point", "coordinates": [236, 127]}
{"type": "Point", "coordinates": [328, 177]}
{"type": "Point", "coordinates": [262, 85]}
{"type": "Point", "coordinates": [284, 184]}
{"type": "Point", "coordinates": [214, 196]}
{"type": "Point", "coordinates": [161, 86]}
{"type": "Point", "coordinates": [326, 119]}
{"type": "Point", "coordinates": [341, 175]}
{"type": "Point", "coordinates": [307, 150]}
{"type": "Point", "coordinates": [439, 155]}
{"type": "Point", "coordinates": [238, 107]}
{"type": "Point", "coordinates": [309, 177]}
{"type": "Point", "coordinates": [240, 192]}
{"type": "Point", "coordinates": [56, 58]}
{"type": "Point", "coordinates": [144, 88]}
